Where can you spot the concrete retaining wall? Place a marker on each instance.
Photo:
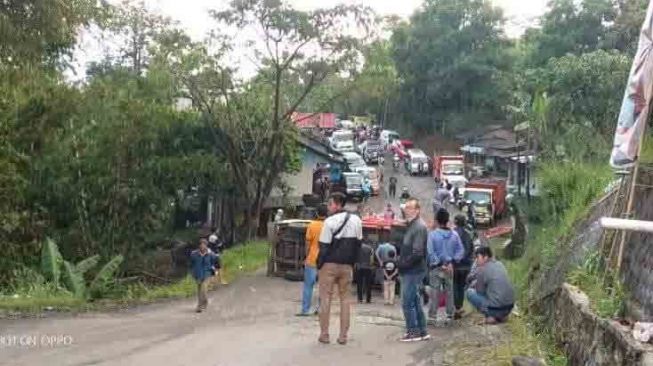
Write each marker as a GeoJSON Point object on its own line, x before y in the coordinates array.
{"type": "Point", "coordinates": [591, 341]}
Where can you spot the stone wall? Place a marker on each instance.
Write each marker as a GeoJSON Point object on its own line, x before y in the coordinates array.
{"type": "Point", "coordinates": [586, 238]}
{"type": "Point", "coordinates": [591, 341]}
{"type": "Point", "coordinates": [638, 253]}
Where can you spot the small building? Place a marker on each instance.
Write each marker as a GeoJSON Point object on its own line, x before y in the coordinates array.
{"type": "Point", "coordinates": [295, 186]}
{"type": "Point", "coordinates": [503, 151]}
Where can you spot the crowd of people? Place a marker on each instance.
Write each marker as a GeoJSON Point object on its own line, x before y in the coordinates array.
{"type": "Point", "coordinates": [435, 267]}
{"type": "Point", "coordinates": [441, 264]}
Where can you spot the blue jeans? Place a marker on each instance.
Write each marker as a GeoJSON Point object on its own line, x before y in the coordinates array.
{"type": "Point", "coordinates": [310, 277]}
{"type": "Point", "coordinates": [480, 302]}
{"type": "Point", "coordinates": [411, 302]}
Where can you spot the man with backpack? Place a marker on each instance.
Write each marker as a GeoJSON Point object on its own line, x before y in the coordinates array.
{"type": "Point", "coordinates": [444, 250]}
{"type": "Point", "coordinates": [340, 247]}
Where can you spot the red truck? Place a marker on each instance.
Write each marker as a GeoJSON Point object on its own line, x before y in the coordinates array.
{"type": "Point", "coordinates": [450, 168]}
{"type": "Point", "coordinates": [489, 199]}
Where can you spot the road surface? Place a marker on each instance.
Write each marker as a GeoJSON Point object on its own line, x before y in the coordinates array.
{"type": "Point", "coordinates": [249, 322]}
{"type": "Point", "coordinates": [421, 187]}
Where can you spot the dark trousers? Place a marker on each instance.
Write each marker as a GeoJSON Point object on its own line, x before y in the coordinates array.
{"type": "Point", "coordinates": [364, 279]}
{"type": "Point", "coordinates": [459, 281]}
{"type": "Point", "coordinates": [392, 191]}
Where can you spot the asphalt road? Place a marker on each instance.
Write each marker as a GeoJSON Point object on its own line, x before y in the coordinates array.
{"type": "Point", "coordinates": [421, 187]}
{"type": "Point", "coordinates": [249, 322]}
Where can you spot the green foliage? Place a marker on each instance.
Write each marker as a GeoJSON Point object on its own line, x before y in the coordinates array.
{"type": "Point", "coordinates": [237, 261]}
{"type": "Point", "coordinates": [41, 30]}
{"type": "Point", "coordinates": [571, 27]}
{"type": "Point", "coordinates": [105, 277]}
{"type": "Point", "coordinates": [87, 264]}
{"type": "Point", "coordinates": [578, 106]}
{"type": "Point", "coordinates": [452, 59]}
{"type": "Point", "coordinates": [74, 280]}
{"type": "Point", "coordinates": [604, 290]}
{"type": "Point", "coordinates": [51, 261]}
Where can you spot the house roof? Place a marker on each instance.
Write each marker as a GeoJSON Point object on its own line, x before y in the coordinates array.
{"type": "Point", "coordinates": [321, 120]}
{"type": "Point", "coordinates": [320, 148]}
{"type": "Point", "coordinates": [477, 132]}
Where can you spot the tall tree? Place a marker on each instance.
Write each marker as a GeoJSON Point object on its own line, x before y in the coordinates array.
{"type": "Point", "coordinates": [136, 28]}
{"type": "Point", "coordinates": [252, 122]}
{"type": "Point", "coordinates": [451, 59]}
{"type": "Point", "coordinates": [579, 102]}
{"type": "Point", "coordinates": [571, 27]}
{"type": "Point", "coordinates": [41, 30]}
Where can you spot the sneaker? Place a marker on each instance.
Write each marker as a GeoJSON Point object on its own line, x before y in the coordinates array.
{"type": "Point", "coordinates": [409, 337]}
{"type": "Point", "coordinates": [302, 314]}
{"type": "Point", "coordinates": [490, 320]}
{"type": "Point", "coordinates": [425, 337]}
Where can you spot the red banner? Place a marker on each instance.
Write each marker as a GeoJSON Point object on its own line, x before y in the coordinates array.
{"type": "Point", "coordinates": [637, 98]}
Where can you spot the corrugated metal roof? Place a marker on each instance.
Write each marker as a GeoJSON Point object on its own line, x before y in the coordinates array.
{"type": "Point", "coordinates": [320, 120]}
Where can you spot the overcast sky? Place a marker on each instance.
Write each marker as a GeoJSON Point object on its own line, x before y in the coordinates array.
{"type": "Point", "coordinates": [192, 13]}
{"type": "Point", "coordinates": [193, 16]}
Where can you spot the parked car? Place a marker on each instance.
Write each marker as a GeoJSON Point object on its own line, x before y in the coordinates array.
{"type": "Point", "coordinates": [353, 161]}
{"type": "Point", "coordinates": [372, 175]}
{"type": "Point", "coordinates": [388, 137]}
{"type": "Point", "coordinates": [353, 184]}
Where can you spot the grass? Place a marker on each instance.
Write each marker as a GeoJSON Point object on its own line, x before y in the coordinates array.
{"type": "Point", "coordinates": [33, 296]}
{"type": "Point", "coordinates": [568, 189]}
{"type": "Point", "coordinates": [606, 295]}
{"type": "Point", "coordinates": [647, 149]}
{"type": "Point", "coordinates": [522, 342]}
{"type": "Point", "coordinates": [236, 262]}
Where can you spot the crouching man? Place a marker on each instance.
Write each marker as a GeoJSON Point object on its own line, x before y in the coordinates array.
{"type": "Point", "coordinates": [490, 291]}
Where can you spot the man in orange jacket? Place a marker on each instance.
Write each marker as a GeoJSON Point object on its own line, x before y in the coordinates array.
{"type": "Point", "coordinates": [310, 265]}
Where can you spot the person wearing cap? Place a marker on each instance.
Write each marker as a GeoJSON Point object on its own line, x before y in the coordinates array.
{"type": "Point", "coordinates": [390, 273]}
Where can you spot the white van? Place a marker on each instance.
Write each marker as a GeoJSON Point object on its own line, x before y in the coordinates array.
{"type": "Point", "coordinates": [342, 140]}
{"type": "Point", "coordinates": [417, 162]}
{"type": "Point", "coordinates": [388, 137]}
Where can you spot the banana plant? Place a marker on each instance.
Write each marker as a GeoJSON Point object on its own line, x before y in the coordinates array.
{"type": "Point", "coordinates": [55, 267]}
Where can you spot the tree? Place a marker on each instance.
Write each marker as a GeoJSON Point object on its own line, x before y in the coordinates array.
{"type": "Point", "coordinates": [624, 33]}
{"type": "Point", "coordinates": [451, 59]}
{"type": "Point", "coordinates": [137, 28]}
{"type": "Point", "coordinates": [251, 121]}
{"type": "Point", "coordinates": [579, 102]}
{"type": "Point", "coordinates": [571, 27]}
{"type": "Point", "coordinates": [41, 30]}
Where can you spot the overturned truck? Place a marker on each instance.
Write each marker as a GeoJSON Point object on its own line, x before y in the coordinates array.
{"type": "Point", "coordinates": [288, 244]}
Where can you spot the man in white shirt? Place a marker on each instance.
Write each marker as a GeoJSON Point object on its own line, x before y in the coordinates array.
{"type": "Point", "coordinates": [340, 245]}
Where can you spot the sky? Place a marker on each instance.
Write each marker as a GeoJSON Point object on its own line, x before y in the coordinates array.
{"type": "Point", "coordinates": [192, 15]}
